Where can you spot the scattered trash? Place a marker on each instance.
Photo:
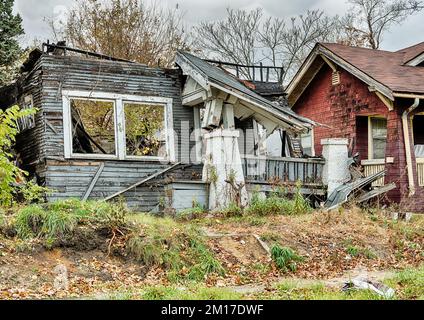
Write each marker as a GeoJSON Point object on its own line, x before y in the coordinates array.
{"type": "Point", "coordinates": [365, 284]}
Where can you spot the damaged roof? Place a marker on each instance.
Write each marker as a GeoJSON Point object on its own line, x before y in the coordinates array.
{"type": "Point", "coordinates": [219, 77]}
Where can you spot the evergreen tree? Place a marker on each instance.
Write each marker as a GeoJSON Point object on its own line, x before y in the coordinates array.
{"type": "Point", "coordinates": [10, 30]}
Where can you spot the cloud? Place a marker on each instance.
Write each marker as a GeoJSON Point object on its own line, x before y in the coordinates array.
{"type": "Point", "coordinates": [35, 13]}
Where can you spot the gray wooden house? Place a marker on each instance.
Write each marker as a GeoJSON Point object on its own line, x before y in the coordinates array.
{"type": "Point", "coordinates": [157, 137]}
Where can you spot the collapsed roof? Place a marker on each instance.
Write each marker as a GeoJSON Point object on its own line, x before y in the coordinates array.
{"type": "Point", "coordinates": [251, 104]}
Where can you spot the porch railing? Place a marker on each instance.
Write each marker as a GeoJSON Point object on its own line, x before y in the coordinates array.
{"type": "Point", "coordinates": [291, 170]}
{"type": "Point", "coordinates": [372, 167]}
{"type": "Point", "coordinates": [420, 171]}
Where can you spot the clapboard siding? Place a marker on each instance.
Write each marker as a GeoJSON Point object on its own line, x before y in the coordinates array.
{"type": "Point", "coordinates": [72, 73]}
{"type": "Point", "coordinates": [71, 178]}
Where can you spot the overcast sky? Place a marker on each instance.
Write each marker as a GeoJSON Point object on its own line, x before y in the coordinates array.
{"type": "Point", "coordinates": [35, 12]}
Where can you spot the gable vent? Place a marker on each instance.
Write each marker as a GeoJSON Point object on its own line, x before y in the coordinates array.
{"type": "Point", "coordinates": [335, 78]}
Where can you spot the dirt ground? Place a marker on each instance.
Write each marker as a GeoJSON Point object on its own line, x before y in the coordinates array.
{"type": "Point", "coordinates": [334, 246]}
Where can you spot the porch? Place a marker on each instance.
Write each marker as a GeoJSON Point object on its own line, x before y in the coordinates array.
{"type": "Point", "coordinates": [377, 140]}
{"type": "Point", "coordinates": [268, 171]}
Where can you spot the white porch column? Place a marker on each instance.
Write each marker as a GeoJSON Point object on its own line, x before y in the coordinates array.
{"type": "Point", "coordinates": [222, 163]}
{"type": "Point", "coordinates": [336, 169]}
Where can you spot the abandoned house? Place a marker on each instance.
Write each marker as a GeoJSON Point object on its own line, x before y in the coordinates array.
{"type": "Point", "coordinates": [108, 128]}
{"type": "Point", "coordinates": [372, 99]}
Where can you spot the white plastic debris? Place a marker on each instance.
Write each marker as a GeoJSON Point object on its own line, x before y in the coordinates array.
{"type": "Point", "coordinates": [365, 284]}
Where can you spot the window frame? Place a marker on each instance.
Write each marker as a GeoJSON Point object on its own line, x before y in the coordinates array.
{"type": "Point", "coordinates": [371, 138]}
{"type": "Point", "coordinates": [27, 122]}
{"type": "Point", "coordinates": [120, 136]}
{"type": "Point", "coordinates": [311, 131]}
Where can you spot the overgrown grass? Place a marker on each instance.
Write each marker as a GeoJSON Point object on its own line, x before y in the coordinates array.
{"type": "Point", "coordinates": [290, 290]}
{"type": "Point", "coordinates": [409, 283]}
{"type": "Point", "coordinates": [58, 220]}
{"type": "Point", "coordinates": [180, 248]}
{"type": "Point", "coordinates": [279, 204]}
{"type": "Point", "coordinates": [189, 292]}
{"type": "Point", "coordinates": [194, 213]}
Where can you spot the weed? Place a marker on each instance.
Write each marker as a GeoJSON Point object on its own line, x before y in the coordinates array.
{"type": "Point", "coordinates": [233, 210]}
{"type": "Point", "coordinates": [192, 292]}
{"type": "Point", "coordinates": [277, 205]}
{"type": "Point", "coordinates": [285, 258]}
{"type": "Point", "coordinates": [355, 251]}
{"type": "Point", "coordinates": [270, 237]}
{"type": "Point", "coordinates": [178, 248]}
{"type": "Point", "coordinates": [33, 193]}
{"type": "Point", "coordinates": [196, 212]}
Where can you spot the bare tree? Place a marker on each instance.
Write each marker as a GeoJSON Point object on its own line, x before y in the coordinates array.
{"type": "Point", "coordinates": [234, 39]}
{"type": "Point", "coordinates": [368, 20]}
{"type": "Point", "coordinates": [126, 29]}
{"type": "Point", "coordinates": [246, 37]}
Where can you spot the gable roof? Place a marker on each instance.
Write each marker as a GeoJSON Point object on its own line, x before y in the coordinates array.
{"type": "Point", "coordinates": [221, 79]}
{"type": "Point", "coordinates": [385, 71]}
{"type": "Point", "coordinates": [412, 52]}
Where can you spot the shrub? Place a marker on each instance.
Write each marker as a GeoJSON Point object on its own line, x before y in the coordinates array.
{"type": "Point", "coordinates": [9, 172]}
{"type": "Point", "coordinates": [285, 258]}
{"type": "Point", "coordinates": [33, 193]}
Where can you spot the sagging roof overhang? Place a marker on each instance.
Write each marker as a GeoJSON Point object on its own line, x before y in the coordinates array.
{"type": "Point", "coordinates": [211, 78]}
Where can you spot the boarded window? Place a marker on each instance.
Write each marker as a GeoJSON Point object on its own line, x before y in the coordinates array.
{"type": "Point", "coordinates": [378, 137]}
{"type": "Point", "coordinates": [93, 127]}
{"type": "Point", "coordinates": [145, 130]}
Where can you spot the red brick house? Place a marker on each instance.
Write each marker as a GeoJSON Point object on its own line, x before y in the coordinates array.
{"type": "Point", "coordinates": [375, 99]}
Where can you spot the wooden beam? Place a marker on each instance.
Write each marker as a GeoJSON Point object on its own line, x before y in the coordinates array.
{"type": "Point", "coordinates": [142, 181]}
{"type": "Point", "coordinates": [213, 113]}
{"type": "Point", "coordinates": [329, 62]}
{"type": "Point", "coordinates": [386, 101]}
{"type": "Point", "coordinates": [52, 128]}
{"type": "Point", "coordinates": [93, 182]}
{"type": "Point", "coordinates": [228, 116]}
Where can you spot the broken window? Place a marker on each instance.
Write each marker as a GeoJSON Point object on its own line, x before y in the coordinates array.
{"type": "Point", "coordinates": [27, 122]}
{"type": "Point", "coordinates": [115, 126]}
{"type": "Point", "coordinates": [307, 143]}
{"type": "Point", "coordinates": [93, 126]}
{"type": "Point", "coordinates": [378, 130]}
{"type": "Point", "coordinates": [145, 130]}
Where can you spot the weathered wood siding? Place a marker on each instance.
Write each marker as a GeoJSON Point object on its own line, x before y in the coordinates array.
{"type": "Point", "coordinates": [71, 178]}
{"type": "Point", "coordinates": [28, 142]}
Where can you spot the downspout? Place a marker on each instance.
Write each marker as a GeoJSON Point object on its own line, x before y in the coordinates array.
{"type": "Point", "coordinates": [409, 165]}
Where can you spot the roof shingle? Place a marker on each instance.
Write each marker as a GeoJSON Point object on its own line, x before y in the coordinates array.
{"type": "Point", "coordinates": [385, 67]}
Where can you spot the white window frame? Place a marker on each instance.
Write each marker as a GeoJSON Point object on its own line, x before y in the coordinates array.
{"type": "Point", "coordinates": [370, 137]}
{"type": "Point", "coordinates": [120, 138]}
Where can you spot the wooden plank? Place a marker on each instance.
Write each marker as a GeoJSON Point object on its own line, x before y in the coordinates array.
{"type": "Point", "coordinates": [142, 182]}
{"type": "Point", "coordinates": [93, 182]}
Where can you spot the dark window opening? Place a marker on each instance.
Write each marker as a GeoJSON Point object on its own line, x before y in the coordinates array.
{"type": "Point", "coordinates": [418, 132]}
